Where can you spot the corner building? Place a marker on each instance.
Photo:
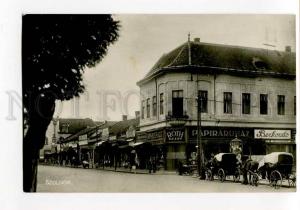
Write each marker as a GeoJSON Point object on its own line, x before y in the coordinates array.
{"type": "Point", "coordinates": [248, 93]}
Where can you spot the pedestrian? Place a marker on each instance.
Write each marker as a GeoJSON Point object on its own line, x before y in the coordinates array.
{"type": "Point", "coordinates": [150, 165]}
{"type": "Point", "coordinates": [180, 168]}
{"type": "Point", "coordinates": [153, 165]}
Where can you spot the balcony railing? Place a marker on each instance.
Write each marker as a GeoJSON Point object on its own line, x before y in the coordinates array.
{"type": "Point", "coordinates": [177, 120]}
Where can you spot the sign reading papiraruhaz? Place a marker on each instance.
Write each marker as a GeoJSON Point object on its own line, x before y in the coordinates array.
{"type": "Point", "coordinates": [272, 134]}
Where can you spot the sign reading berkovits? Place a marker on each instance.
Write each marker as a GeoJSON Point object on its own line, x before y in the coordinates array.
{"type": "Point", "coordinates": [272, 134]}
{"type": "Point", "coordinates": [175, 134]}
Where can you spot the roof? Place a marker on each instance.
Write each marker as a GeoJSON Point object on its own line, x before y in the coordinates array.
{"type": "Point", "coordinates": [122, 126]}
{"type": "Point", "coordinates": [89, 130]}
{"type": "Point", "coordinates": [226, 58]}
{"type": "Point", "coordinates": [74, 125]}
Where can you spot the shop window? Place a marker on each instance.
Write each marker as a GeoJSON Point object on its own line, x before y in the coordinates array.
{"type": "Point", "coordinates": [202, 103]}
{"type": "Point", "coordinates": [161, 103]}
{"type": "Point", "coordinates": [228, 102]}
{"type": "Point", "coordinates": [263, 103]}
{"type": "Point", "coordinates": [143, 109]}
{"type": "Point", "coordinates": [177, 103]}
{"type": "Point", "coordinates": [154, 106]}
{"type": "Point", "coordinates": [148, 107]}
{"type": "Point", "coordinates": [246, 103]}
{"type": "Point", "coordinates": [280, 104]}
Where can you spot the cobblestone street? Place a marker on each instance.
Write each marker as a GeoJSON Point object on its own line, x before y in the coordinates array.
{"type": "Point", "coordinates": [65, 179]}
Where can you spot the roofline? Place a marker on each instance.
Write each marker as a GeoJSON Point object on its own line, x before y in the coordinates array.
{"type": "Point", "coordinates": [217, 70]}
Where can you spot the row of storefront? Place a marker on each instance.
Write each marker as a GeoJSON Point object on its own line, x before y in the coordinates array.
{"type": "Point", "coordinates": [180, 143]}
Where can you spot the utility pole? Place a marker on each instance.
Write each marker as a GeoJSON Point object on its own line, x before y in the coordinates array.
{"type": "Point", "coordinates": [200, 161]}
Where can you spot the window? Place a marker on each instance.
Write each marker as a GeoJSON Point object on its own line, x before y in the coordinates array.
{"type": "Point", "coordinates": [148, 107]}
{"type": "Point", "coordinates": [295, 107]}
{"type": "Point", "coordinates": [177, 103]}
{"type": "Point", "coordinates": [154, 106]}
{"type": "Point", "coordinates": [202, 96]}
{"type": "Point", "coordinates": [246, 103]}
{"type": "Point", "coordinates": [143, 109]}
{"type": "Point", "coordinates": [228, 102]}
{"type": "Point", "coordinates": [161, 103]}
{"type": "Point", "coordinates": [280, 104]}
{"type": "Point", "coordinates": [263, 103]}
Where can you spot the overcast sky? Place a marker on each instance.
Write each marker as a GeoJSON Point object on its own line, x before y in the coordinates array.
{"type": "Point", "coordinates": [144, 38]}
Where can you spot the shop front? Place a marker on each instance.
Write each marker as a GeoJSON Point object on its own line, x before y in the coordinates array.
{"type": "Point", "coordinates": [277, 140]}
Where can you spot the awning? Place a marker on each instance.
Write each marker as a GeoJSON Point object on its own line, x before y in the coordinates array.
{"type": "Point", "coordinates": [139, 144]}
{"type": "Point", "coordinates": [123, 146]}
{"type": "Point", "coordinates": [99, 143]}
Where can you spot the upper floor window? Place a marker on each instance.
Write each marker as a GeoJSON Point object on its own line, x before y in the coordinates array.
{"type": "Point", "coordinates": [154, 105]}
{"type": "Point", "coordinates": [202, 103]}
{"type": "Point", "coordinates": [143, 110]}
{"type": "Point", "coordinates": [246, 103]}
{"type": "Point", "coordinates": [148, 107]}
{"type": "Point", "coordinates": [263, 103]}
{"type": "Point", "coordinates": [228, 102]}
{"type": "Point", "coordinates": [177, 103]}
{"type": "Point", "coordinates": [161, 103]}
{"type": "Point", "coordinates": [295, 107]}
{"type": "Point", "coordinates": [280, 104]}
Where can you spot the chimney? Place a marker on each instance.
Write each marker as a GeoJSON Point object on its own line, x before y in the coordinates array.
{"type": "Point", "coordinates": [197, 40]}
{"type": "Point", "coordinates": [137, 114]}
{"type": "Point", "coordinates": [124, 117]}
{"type": "Point", "coordinates": [288, 49]}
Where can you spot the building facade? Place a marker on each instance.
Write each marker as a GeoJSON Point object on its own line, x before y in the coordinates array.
{"type": "Point", "coordinates": [241, 92]}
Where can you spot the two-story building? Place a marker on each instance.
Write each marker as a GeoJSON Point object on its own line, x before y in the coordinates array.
{"type": "Point", "coordinates": [248, 93]}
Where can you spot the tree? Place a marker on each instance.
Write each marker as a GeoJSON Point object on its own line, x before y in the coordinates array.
{"type": "Point", "coordinates": [56, 49]}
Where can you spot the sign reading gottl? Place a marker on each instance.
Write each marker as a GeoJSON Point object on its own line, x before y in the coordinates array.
{"type": "Point", "coordinates": [272, 134]}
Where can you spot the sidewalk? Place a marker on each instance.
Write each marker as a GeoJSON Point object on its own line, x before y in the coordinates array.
{"type": "Point", "coordinates": [137, 171]}
{"type": "Point", "coordinates": [121, 170]}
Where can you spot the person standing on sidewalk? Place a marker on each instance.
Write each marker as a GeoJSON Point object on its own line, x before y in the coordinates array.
{"type": "Point", "coordinates": [150, 165]}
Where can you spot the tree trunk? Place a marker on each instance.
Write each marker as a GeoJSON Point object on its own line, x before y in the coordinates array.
{"type": "Point", "coordinates": [40, 113]}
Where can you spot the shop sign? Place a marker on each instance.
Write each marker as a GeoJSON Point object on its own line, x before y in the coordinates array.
{"type": "Point", "coordinates": [105, 134]}
{"type": "Point", "coordinates": [272, 134]}
{"type": "Point", "coordinates": [130, 133]}
{"type": "Point", "coordinates": [82, 137]}
{"type": "Point", "coordinates": [175, 134]}
{"type": "Point", "coordinates": [84, 142]}
{"type": "Point", "coordinates": [112, 137]}
{"type": "Point", "coordinates": [221, 132]}
{"type": "Point", "coordinates": [73, 145]}
{"type": "Point", "coordinates": [155, 135]}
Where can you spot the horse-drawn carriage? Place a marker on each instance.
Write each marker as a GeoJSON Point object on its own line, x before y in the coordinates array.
{"type": "Point", "coordinates": [223, 165]}
{"type": "Point", "coordinates": [277, 168]}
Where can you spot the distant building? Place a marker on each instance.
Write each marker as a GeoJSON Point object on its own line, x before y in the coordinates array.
{"type": "Point", "coordinates": [61, 128]}
{"type": "Point", "coordinates": [248, 93]}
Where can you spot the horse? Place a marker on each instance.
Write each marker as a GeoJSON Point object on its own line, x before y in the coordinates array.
{"type": "Point", "coordinates": [249, 167]}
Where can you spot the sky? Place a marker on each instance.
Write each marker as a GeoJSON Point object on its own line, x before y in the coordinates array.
{"type": "Point", "coordinates": [111, 89]}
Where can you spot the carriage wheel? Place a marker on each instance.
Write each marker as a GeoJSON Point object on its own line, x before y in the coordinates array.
{"type": "Point", "coordinates": [209, 175]}
{"type": "Point", "coordinates": [255, 179]}
{"type": "Point", "coordinates": [292, 180]}
{"type": "Point", "coordinates": [275, 179]}
{"type": "Point", "coordinates": [236, 176]}
{"type": "Point", "coordinates": [221, 175]}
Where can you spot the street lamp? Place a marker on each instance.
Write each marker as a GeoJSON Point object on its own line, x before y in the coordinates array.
{"type": "Point", "coordinates": [200, 161]}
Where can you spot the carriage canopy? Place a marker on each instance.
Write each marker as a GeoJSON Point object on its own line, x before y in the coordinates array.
{"type": "Point", "coordinates": [276, 157]}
